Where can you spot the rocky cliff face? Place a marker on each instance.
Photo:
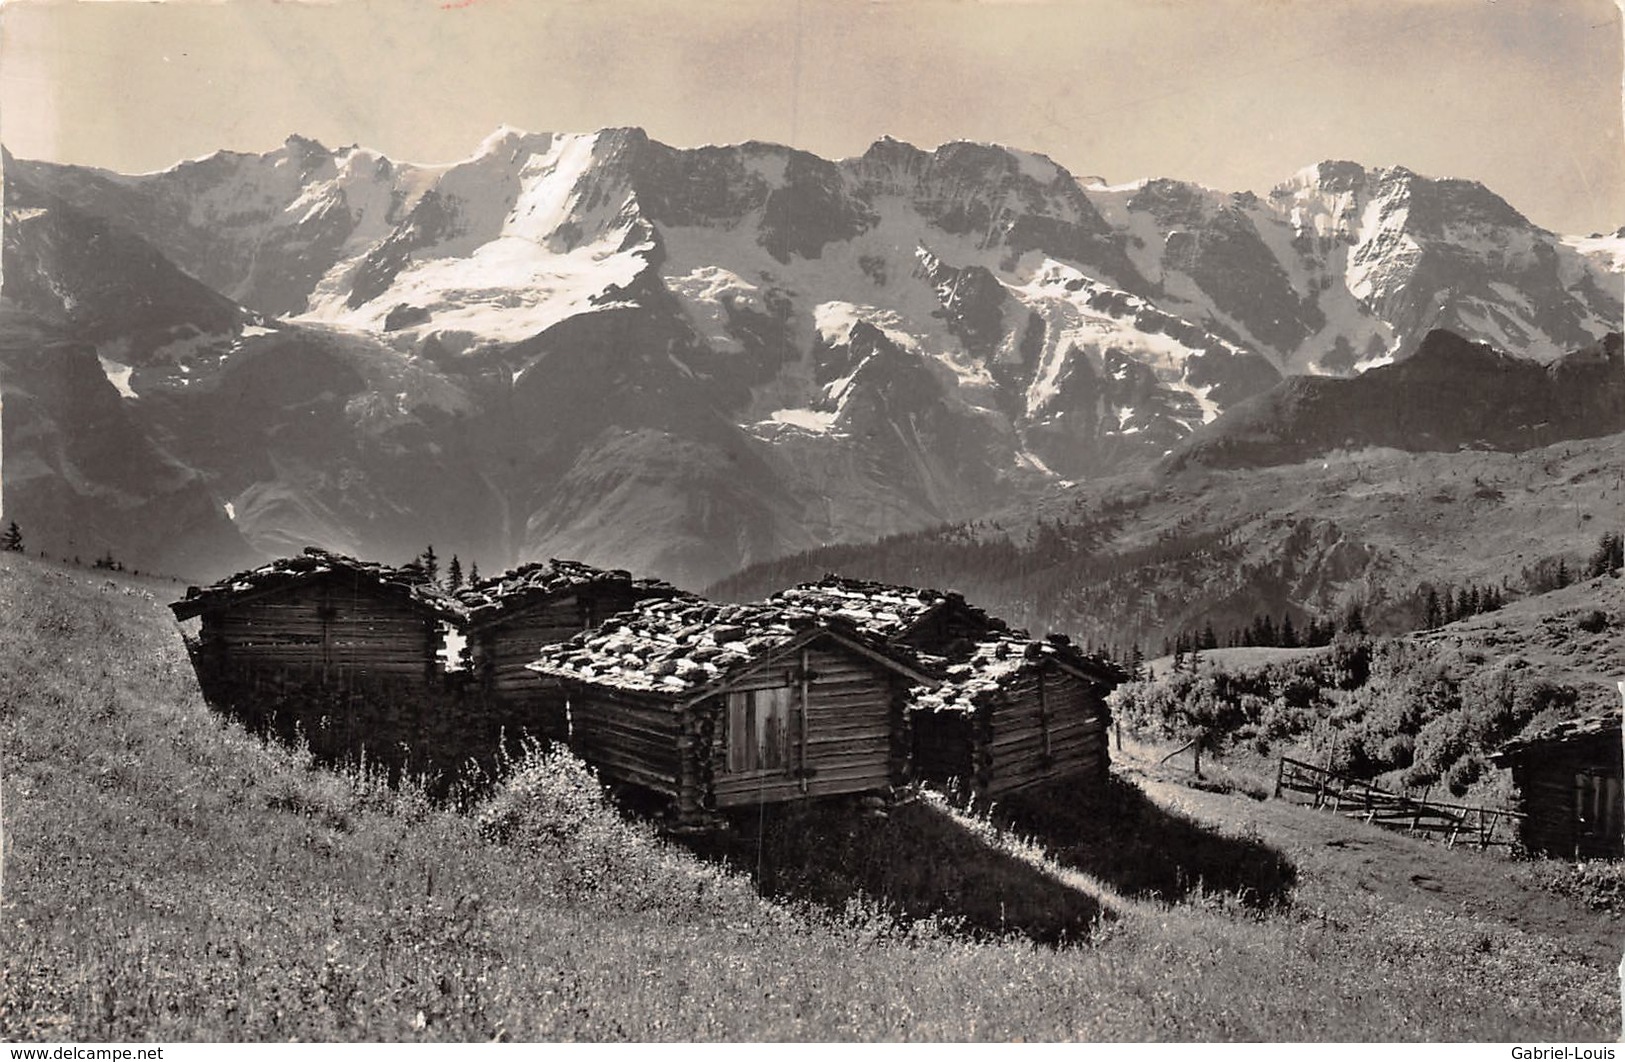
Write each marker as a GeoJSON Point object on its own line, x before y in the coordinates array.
{"type": "Point", "coordinates": [684, 360]}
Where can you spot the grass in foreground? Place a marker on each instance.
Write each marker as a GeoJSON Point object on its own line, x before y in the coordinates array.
{"type": "Point", "coordinates": [169, 877]}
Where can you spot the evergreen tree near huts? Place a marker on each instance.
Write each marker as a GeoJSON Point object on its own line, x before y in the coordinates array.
{"type": "Point", "coordinates": [431, 564]}
{"type": "Point", "coordinates": [454, 574]}
{"type": "Point", "coordinates": [12, 540]}
{"type": "Point", "coordinates": [473, 572]}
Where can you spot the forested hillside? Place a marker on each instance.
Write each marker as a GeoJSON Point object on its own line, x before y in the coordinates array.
{"type": "Point", "coordinates": [1404, 540]}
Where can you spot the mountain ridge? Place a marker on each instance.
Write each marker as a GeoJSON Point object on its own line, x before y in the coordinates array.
{"type": "Point", "coordinates": [586, 342]}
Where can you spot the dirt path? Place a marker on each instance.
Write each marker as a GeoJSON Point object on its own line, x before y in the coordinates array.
{"type": "Point", "coordinates": [1396, 867]}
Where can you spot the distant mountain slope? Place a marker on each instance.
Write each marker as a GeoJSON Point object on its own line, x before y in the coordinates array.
{"type": "Point", "coordinates": [1135, 559]}
{"type": "Point", "coordinates": [686, 360]}
{"type": "Point", "coordinates": [1449, 395]}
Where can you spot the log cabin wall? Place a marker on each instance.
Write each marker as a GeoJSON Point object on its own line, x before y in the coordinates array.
{"type": "Point", "coordinates": [498, 652]}
{"type": "Point", "coordinates": [629, 738]}
{"type": "Point", "coordinates": [330, 624]}
{"type": "Point", "coordinates": [500, 648]}
{"type": "Point", "coordinates": [347, 667]}
{"type": "Point", "coordinates": [1571, 794]}
{"type": "Point", "coordinates": [849, 738]}
{"type": "Point", "coordinates": [400, 724]}
{"type": "Point", "coordinates": [1045, 723]}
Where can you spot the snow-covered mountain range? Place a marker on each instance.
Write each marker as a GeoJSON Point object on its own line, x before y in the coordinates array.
{"type": "Point", "coordinates": [685, 360]}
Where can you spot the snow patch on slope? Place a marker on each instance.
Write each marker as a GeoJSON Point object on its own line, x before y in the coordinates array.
{"type": "Point", "coordinates": [118, 375]}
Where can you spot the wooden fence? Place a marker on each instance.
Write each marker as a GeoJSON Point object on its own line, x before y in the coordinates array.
{"type": "Point", "coordinates": [1469, 823]}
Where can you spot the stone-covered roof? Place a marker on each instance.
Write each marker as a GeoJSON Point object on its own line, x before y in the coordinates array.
{"type": "Point", "coordinates": [971, 681]}
{"type": "Point", "coordinates": [885, 609]}
{"type": "Point", "coordinates": [532, 584]}
{"type": "Point", "coordinates": [683, 646]}
{"type": "Point", "coordinates": [310, 564]}
{"type": "Point", "coordinates": [1569, 730]}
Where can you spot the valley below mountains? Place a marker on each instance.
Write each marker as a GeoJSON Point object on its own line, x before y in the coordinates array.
{"type": "Point", "coordinates": [689, 361]}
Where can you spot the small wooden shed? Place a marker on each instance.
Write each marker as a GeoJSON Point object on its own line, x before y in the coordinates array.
{"type": "Point", "coordinates": [725, 706]}
{"type": "Point", "coordinates": [510, 618]}
{"type": "Point", "coordinates": [1010, 712]}
{"type": "Point", "coordinates": [1015, 713]}
{"type": "Point", "coordinates": [1569, 788]}
{"type": "Point", "coordinates": [347, 652]}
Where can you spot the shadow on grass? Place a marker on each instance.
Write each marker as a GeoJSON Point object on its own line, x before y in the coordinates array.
{"type": "Point", "coordinates": [1130, 842]}
{"type": "Point", "coordinates": [916, 862]}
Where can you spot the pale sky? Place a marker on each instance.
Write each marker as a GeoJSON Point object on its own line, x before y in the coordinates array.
{"type": "Point", "coordinates": [1524, 95]}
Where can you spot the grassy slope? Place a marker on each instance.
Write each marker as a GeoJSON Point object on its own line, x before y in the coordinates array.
{"type": "Point", "coordinates": [168, 877]}
{"type": "Point", "coordinates": [1559, 633]}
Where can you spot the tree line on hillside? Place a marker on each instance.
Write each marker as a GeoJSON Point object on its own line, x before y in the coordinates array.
{"type": "Point", "coordinates": [1554, 573]}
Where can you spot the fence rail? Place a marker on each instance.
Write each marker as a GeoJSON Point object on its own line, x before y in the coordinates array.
{"type": "Point", "coordinates": [1469, 823]}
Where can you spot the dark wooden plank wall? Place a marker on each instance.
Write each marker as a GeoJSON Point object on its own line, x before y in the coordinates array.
{"type": "Point", "coordinates": [1548, 794]}
{"type": "Point", "coordinates": [325, 625]}
{"type": "Point", "coordinates": [521, 700]}
{"type": "Point", "coordinates": [854, 723]}
{"type": "Point", "coordinates": [1015, 752]}
{"type": "Point", "coordinates": [634, 739]}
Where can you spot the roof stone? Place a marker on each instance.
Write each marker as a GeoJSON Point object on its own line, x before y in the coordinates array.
{"type": "Point", "coordinates": [886, 609]}
{"type": "Point", "coordinates": [314, 562]}
{"type": "Point", "coordinates": [537, 582]}
{"type": "Point", "coordinates": [682, 645]}
{"type": "Point", "coordinates": [1558, 733]}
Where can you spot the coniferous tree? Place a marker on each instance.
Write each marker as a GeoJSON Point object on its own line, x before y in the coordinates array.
{"type": "Point", "coordinates": [1432, 615]}
{"type": "Point", "coordinates": [1609, 555]}
{"type": "Point", "coordinates": [1354, 622]}
{"type": "Point", "coordinates": [473, 572]}
{"type": "Point", "coordinates": [12, 541]}
{"type": "Point", "coordinates": [431, 564]}
{"type": "Point", "coordinates": [454, 574]}
{"type": "Point", "coordinates": [1209, 639]}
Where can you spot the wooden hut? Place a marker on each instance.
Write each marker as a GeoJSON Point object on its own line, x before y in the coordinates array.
{"type": "Point", "coordinates": [1014, 713]}
{"type": "Point", "coordinates": [348, 653]}
{"type": "Point", "coordinates": [1010, 711]}
{"type": "Point", "coordinates": [1569, 788]}
{"type": "Point", "coordinates": [726, 706]}
{"type": "Point", "coordinates": [511, 617]}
